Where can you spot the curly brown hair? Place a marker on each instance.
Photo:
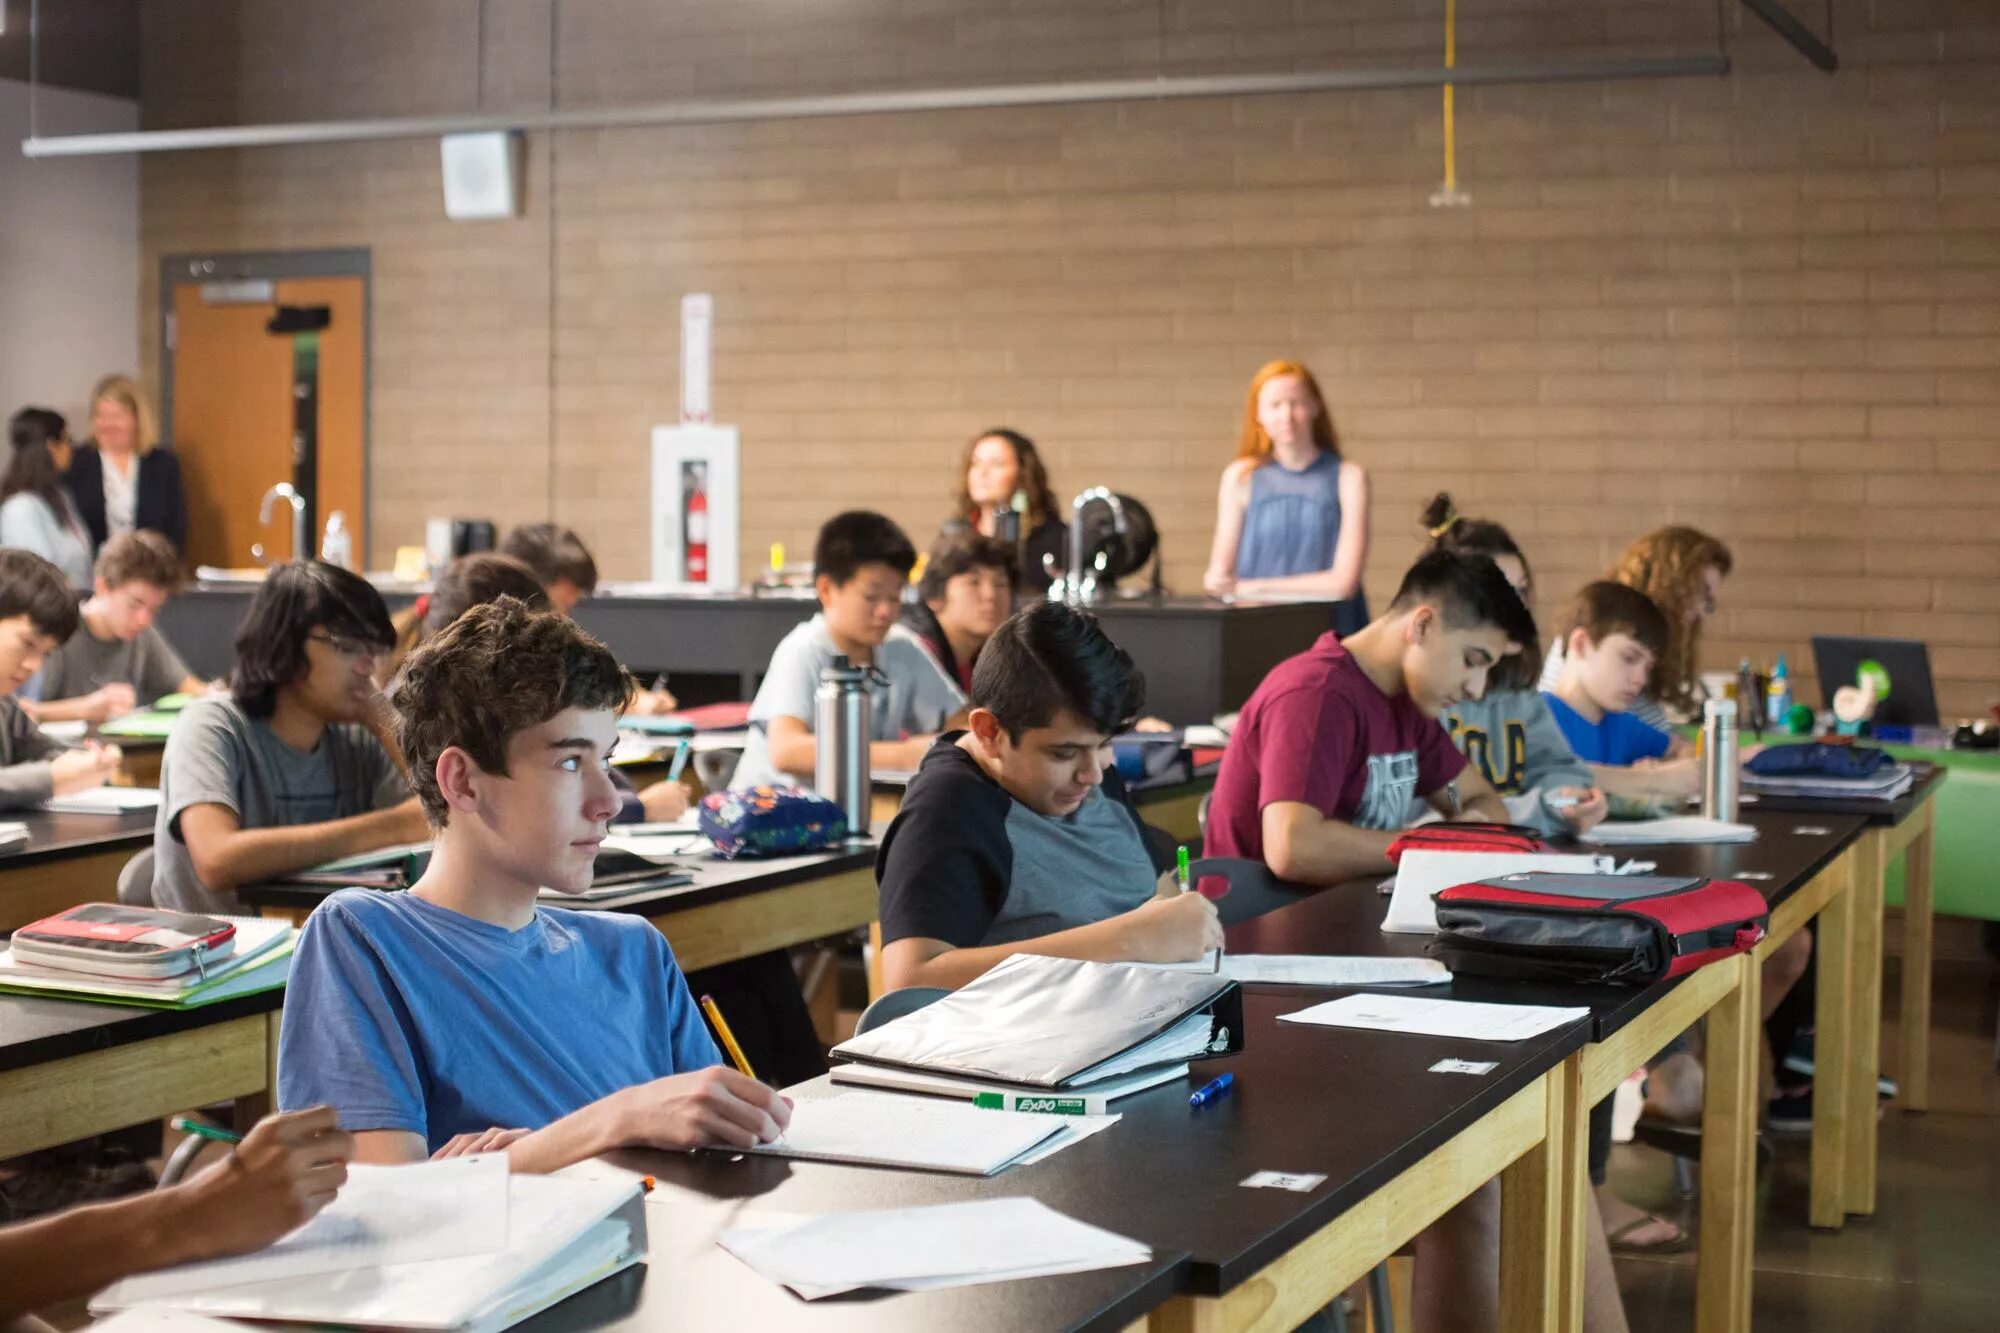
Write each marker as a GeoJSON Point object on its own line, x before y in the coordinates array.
{"type": "Point", "coordinates": [493, 673]}
{"type": "Point", "coordinates": [1031, 476]}
{"type": "Point", "coordinates": [140, 556]}
{"type": "Point", "coordinates": [1666, 564]}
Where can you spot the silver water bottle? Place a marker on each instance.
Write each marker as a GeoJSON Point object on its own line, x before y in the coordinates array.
{"type": "Point", "coordinates": [842, 724]}
{"type": "Point", "coordinates": [1718, 759]}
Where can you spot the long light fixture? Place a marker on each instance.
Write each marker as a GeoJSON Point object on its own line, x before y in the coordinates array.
{"type": "Point", "coordinates": [724, 111]}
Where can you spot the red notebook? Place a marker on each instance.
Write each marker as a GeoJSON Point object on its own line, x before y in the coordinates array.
{"type": "Point", "coordinates": [112, 940]}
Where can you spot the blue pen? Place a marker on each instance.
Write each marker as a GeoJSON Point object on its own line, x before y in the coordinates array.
{"type": "Point", "coordinates": [681, 754]}
{"type": "Point", "coordinates": [1221, 1084]}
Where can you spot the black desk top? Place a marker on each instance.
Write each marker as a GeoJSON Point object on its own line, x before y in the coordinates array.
{"type": "Point", "coordinates": [52, 836]}
{"type": "Point", "coordinates": [1878, 814]}
{"type": "Point", "coordinates": [35, 1029]}
{"type": "Point", "coordinates": [1356, 1107]}
{"type": "Point", "coordinates": [691, 1283]}
{"type": "Point", "coordinates": [1347, 919]}
{"type": "Point", "coordinates": [715, 880]}
{"type": "Point", "coordinates": [801, 603]}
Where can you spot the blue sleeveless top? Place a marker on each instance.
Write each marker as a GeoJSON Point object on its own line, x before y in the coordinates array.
{"type": "Point", "coordinates": [1292, 526]}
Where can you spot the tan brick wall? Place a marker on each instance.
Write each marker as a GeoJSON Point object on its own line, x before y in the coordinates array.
{"type": "Point", "coordinates": [1767, 305]}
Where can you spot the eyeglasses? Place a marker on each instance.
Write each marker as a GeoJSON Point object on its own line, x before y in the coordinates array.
{"type": "Point", "coordinates": [352, 649]}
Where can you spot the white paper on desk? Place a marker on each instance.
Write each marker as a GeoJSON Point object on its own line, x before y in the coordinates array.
{"type": "Point", "coordinates": [1422, 875]}
{"type": "Point", "coordinates": [687, 823]}
{"type": "Point", "coordinates": [104, 801]}
{"type": "Point", "coordinates": [1286, 969]}
{"type": "Point", "coordinates": [921, 1133]}
{"type": "Point", "coordinates": [1437, 1018]}
{"type": "Point", "coordinates": [1681, 828]}
{"type": "Point", "coordinates": [382, 1215]}
{"type": "Point", "coordinates": [1208, 962]}
{"type": "Point", "coordinates": [913, 1249]}
{"type": "Point", "coordinates": [1204, 736]}
{"type": "Point", "coordinates": [636, 748]}
{"type": "Point", "coordinates": [67, 732]}
{"type": "Point", "coordinates": [155, 1320]}
{"type": "Point", "coordinates": [657, 848]}
{"type": "Point", "coordinates": [1075, 1129]}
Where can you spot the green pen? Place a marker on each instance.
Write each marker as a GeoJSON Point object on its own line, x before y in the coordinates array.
{"type": "Point", "coordinates": [201, 1131]}
{"type": "Point", "coordinates": [681, 754]}
{"type": "Point", "coordinates": [1181, 866]}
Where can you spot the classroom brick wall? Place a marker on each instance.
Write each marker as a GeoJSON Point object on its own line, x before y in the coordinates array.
{"type": "Point", "coordinates": [1767, 305]}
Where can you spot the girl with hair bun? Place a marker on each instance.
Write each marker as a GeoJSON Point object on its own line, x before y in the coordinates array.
{"type": "Point", "coordinates": [1508, 733]}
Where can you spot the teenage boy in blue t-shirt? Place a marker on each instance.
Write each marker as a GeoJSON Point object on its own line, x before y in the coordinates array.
{"type": "Point", "coordinates": [460, 1015]}
{"type": "Point", "coordinates": [1612, 636]}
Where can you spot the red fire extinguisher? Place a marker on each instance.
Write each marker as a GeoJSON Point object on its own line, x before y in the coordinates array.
{"type": "Point", "coordinates": [697, 530]}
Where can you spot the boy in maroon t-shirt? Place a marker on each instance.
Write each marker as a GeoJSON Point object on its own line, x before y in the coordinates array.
{"type": "Point", "coordinates": [1319, 772]}
{"type": "Point", "coordinates": [1334, 745]}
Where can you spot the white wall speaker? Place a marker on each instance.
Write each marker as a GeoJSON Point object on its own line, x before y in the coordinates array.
{"type": "Point", "coordinates": [482, 175]}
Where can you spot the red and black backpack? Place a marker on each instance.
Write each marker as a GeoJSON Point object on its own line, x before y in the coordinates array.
{"type": "Point", "coordinates": [1625, 929]}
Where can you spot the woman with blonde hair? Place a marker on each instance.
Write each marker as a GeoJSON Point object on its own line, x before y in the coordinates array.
{"type": "Point", "coordinates": [123, 478]}
{"type": "Point", "coordinates": [1681, 570]}
{"type": "Point", "coordinates": [1291, 518]}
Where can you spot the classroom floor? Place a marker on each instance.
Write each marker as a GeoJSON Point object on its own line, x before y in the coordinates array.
{"type": "Point", "coordinates": [1928, 1260]}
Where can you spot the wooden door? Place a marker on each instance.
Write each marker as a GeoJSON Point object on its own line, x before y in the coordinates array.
{"type": "Point", "coordinates": [232, 425]}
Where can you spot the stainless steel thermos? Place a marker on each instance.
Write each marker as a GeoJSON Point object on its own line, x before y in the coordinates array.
{"type": "Point", "coordinates": [842, 727]}
{"type": "Point", "coordinates": [1718, 759]}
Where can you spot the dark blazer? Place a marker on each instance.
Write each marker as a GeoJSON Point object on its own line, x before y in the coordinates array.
{"type": "Point", "coordinates": [160, 505]}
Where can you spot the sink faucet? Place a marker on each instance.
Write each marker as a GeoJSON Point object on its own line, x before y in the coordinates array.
{"type": "Point", "coordinates": [301, 540]}
{"type": "Point", "coordinates": [1079, 588]}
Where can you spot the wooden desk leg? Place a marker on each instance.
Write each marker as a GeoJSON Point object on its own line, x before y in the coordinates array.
{"type": "Point", "coordinates": [1864, 1052]}
{"type": "Point", "coordinates": [1542, 1216]}
{"type": "Point", "coordinates": [1833, 1020]}
{"type": "Point", "coordinates": [1729, 1156]}
{"type": "Point", "coordinates": [255, 1106]}
{"type": "Point", "coordinates": [874, 961]}
{"type": "Point", "coordinates": [1915, 1020]}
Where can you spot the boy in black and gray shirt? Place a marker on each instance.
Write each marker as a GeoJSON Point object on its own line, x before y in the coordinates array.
{"type": "Point", "coordinates": [1015, 835]}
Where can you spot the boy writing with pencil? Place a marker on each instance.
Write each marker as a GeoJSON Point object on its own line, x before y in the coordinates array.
{"type": "Point", "coordinates": [37, 612]}
{"type": "Point", "coordinates": [1015, 835]}
{"type": "Point", "coordinates": [1336, 743]}
{"type": "Point", "coordinates": [117, 659]}
{"type": "Point", "coordinates": [1612, 636]}
{"type": "Point", "coordinates": [462, 1016]}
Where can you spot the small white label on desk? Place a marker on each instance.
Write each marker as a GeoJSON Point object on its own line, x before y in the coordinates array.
{"type": "Point", "coordinates": [1756, 874]}
{"type": "Point", "coordinates": [1297, 1182]}
{"type": "Point", "coordinates": [1809, 831]}
{"type": "Point", "coordinates": [1464, 1067]}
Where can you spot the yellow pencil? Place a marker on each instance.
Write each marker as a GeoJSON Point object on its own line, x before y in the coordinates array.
{"type": "Point", "coordinates": [736, 1056]}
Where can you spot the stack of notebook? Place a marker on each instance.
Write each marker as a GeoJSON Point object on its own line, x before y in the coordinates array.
{"type": "Point", "coordinates": [1886, 784]}
{"type": "Point", "coordinates": [458, 1244]}
{"type": "Point", "coordinates": [1060, 1024]}
{"type": "Point", "coordinates": [155, 959]}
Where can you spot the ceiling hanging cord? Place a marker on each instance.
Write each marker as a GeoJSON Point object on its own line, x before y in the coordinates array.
{"type": "Point", "coordinates": [1449, 195]}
